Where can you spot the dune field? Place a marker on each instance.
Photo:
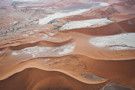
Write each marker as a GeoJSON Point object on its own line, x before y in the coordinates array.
{"type": "Point", "coordinates": [67, 45]}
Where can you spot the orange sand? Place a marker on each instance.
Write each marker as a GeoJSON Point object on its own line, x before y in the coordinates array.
{"type": "Point", "coordinates": [87, 67]}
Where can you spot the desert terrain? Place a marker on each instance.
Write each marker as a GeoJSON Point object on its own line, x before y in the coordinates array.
{"type": "Point", "coordinates": [67, 45]}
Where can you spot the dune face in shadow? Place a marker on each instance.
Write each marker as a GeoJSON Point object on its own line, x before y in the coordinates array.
{"type": "Point", "coordinates": [67, 45]}
{"type": "Point", "coordinates": [36, 79]}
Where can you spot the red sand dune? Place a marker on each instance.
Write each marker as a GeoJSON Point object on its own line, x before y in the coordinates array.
{"type": "Point", "coordinates": [122, 8]}
{"type": "Point", "coordinates": [65, 60]}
